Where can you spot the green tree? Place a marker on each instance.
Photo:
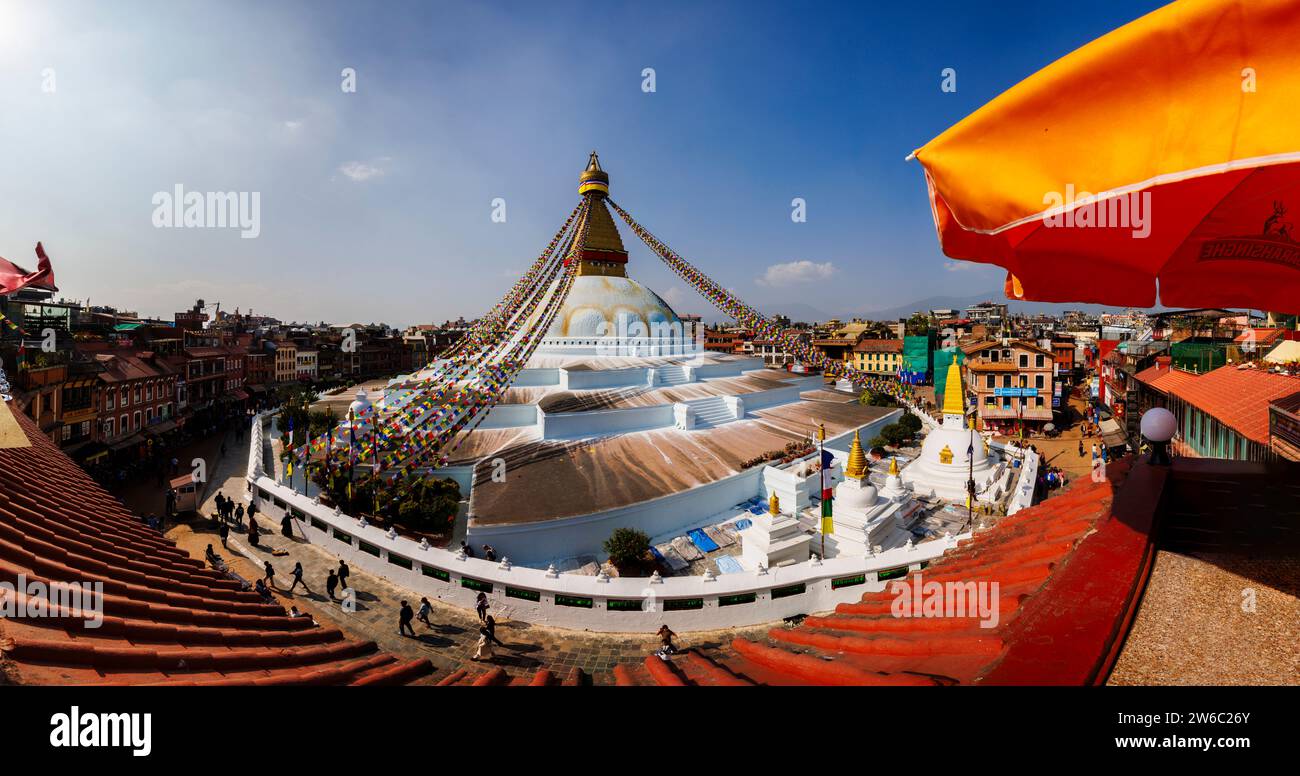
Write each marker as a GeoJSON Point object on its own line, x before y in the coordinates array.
{"type": "Point", "coordinates": [918, 324]}
{"type": "Point", "coordinates": [627, 546]}
{"type": "Point", "coordinates": [910, 423]}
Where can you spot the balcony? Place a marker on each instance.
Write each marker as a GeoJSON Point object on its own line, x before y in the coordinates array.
{"type": "Point", "coordinates": [38, 376]}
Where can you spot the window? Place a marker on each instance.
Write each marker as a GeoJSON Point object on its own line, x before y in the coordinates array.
{"type": "Point", "coordinates": [1038, 401]}
{"type": "Point", "coordinates": [1038, 360]}
{"type": "Point", "coordinates": [1024, 360]}
{"type": "Point", "coordinates": [110, 399]}
{"type": "Point", "coordinates": [126, 424]}
{"type": "Point", "coordinates": [126, 396]}
{"type": "Point", "coordinates": [1038, 381]}
{"type": "Point", "coordinates": [148, 392]}
{"type": "Point", "coordinates": [135, 419]}
{"type": "Point", "coordinates": [138, 394]}
{"type": "Point", "coordinates": [1006, 381]}
{"type": "Point", "coordinates": [991, 382]}
{"type": "Point", "coordinates": [148, 415]}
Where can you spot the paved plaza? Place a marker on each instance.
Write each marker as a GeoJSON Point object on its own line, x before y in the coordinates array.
{"type": "Point", "coordinates": [450, 643]}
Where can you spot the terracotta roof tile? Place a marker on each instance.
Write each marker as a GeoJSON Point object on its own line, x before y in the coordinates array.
{"type": "Point", "coordinates": [1237, 397]}
{"type": "Point", "coordinates": [167, 618]}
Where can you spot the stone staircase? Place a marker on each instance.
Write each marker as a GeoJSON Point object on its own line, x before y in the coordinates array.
{"type": "Point", "coordinates": [712, 412]}
{"type": "Point", "coordinates": [672, 375]}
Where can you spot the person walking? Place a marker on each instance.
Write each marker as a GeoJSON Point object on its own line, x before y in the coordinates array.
{"type": "Point", "coordinates": [1081, 451]}
{"type": "Point", "coordinates": [286, 526]}
{"type": "Point", "coordinates": [483, 649]}
{"type": "Point", "coordinates": [239, 515]}
{"type": "Point", "coordinates": [481, 606]}
{"type": "Point", "coordinates": [666, 641]}
{"type": "Point", "coordinates": [269, 577]}
{"type": "Point", "coordinates": [344, 573]}
{"type": "Point", "coordinates": [253, 531]}
{"type": "Point", "coordinates": [425, 609]}
{"type": "Point", "coordinates": [331, 583]}
{"type": "Point", "coordinates": [404, 620]}
{"type": "Point", "coordinates": [297, 579]}
{"type": "Point", "coordinates": [491, 625]}
{"type": "Point", "coordinates": [224, 532]}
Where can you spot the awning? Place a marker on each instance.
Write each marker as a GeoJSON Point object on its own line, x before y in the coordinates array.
{"type": "Point", "coordinates": [161, 427]}
{"type": "Point", "coordinates": [130, 441]}
{"type": "Point", "coordinates": [1111, 434]}
{"type": "Point", "coordinates": [239, 394]}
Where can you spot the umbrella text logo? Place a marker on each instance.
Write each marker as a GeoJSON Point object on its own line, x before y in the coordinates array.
{"type": "Point", "coordinates": [1073, 209]}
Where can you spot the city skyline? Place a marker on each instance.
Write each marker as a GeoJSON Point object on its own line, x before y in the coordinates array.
{"type": "Point", "coordinates": [378, 204]}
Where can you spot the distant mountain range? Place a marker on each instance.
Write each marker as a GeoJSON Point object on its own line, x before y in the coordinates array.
{"type": "Point", "coordinates": [797, 311]}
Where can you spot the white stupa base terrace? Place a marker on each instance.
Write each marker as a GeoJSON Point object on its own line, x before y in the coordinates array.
{"type": "Point", "coordinates": [951, 456]}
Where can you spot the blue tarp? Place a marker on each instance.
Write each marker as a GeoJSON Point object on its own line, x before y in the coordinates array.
{"type": "Point", "coordinates": [728, 565]}
{"type": "Point", "coordinates": [702, 540]}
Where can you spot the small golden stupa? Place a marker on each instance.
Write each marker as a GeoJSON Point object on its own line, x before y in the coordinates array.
{"type": "Point", "coordinates": [856, 468]}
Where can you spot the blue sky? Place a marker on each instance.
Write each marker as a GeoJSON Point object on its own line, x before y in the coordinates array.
{"type": "Point", "coordinates": [376, 205]}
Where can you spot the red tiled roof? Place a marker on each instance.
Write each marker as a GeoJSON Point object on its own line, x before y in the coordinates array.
{"type": "Point", "coordinates": [1162, 377]}
{"type": "Point", "coordinates": [167, 618]}
{"type": "Point", "coordinates": [1260, 336]}
{"type": "Point", "coordinates": [1235, 396]}
{"type": "Point", "coordinates": [122, 367]}
{"type": "Point", "coordinates": [879, 346]}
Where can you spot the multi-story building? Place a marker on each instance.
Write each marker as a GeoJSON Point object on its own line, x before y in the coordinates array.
{"type": "Point", "coordinates": [1012, 383]}
{"type": "Point", "coordinates": [989, 313]}
{"type": "Point", "coordinates": [136, 393]}
{"type": "Point", "coordinates": [306, 360]}
{"type": "Point", "coordinates": [258, 368]}
{"type": "Point", "coordinates": [717, 341]}
{"type": "Point", "coordinates": [876, 356]}
{"type": "Point", "coordinates": [284, 364]}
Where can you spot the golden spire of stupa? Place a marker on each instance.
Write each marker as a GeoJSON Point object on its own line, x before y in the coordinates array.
{"type": "Point", "coordinates": [593, 179]}
{"type": "Point", "coordinates": [856, 468]}
{"type": "Point", "coordinates": [893, 467]}
{"type": "Point", "coordinates": [774, 505]}
{"type": "Point", "coordinates": [954, 398]}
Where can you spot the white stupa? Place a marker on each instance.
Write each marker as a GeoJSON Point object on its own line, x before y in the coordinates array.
{"type": "Point", "coordinates": [866, 517]}
{"type": "Point", "coordinates": [954, 453]}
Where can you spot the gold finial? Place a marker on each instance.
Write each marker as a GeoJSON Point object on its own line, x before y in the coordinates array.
{"type": "Point", "coordinates": [856, 468]}
{"type": "Point", "coordinates": [954, 400]}
{"type": "Point", "coordinates": [594, 180]}
{"type": "Point", "coordinates": [945, 455]}
{"type": "Point", "coordinates": [821, 432]}
{"type": "Point", "coordinates": [774, 505]}
{"type": "Point", "coordinates": [893, 467]}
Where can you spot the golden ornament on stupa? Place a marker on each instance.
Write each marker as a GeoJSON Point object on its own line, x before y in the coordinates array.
{"type": "Point", "coordinates": [856, 468]}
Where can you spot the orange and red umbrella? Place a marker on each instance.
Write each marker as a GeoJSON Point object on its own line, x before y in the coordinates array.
{"type": "Point", "coordinates": [1159, 162]}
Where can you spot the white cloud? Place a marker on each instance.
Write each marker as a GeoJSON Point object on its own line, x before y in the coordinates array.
{"type": "Point", "coordinates": [363, 171]}
{"type": "Point", "coordinates": [802, 271]}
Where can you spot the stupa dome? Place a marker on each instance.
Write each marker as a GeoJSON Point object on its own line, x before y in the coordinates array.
{"type": "Point", "coordinates": [619, 303]}
{"type": "Point", "coordinates": [359, 404]}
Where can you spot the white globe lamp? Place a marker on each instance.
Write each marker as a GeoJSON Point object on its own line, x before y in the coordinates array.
{"type": "Point", "coordinates": [1159, 426]}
